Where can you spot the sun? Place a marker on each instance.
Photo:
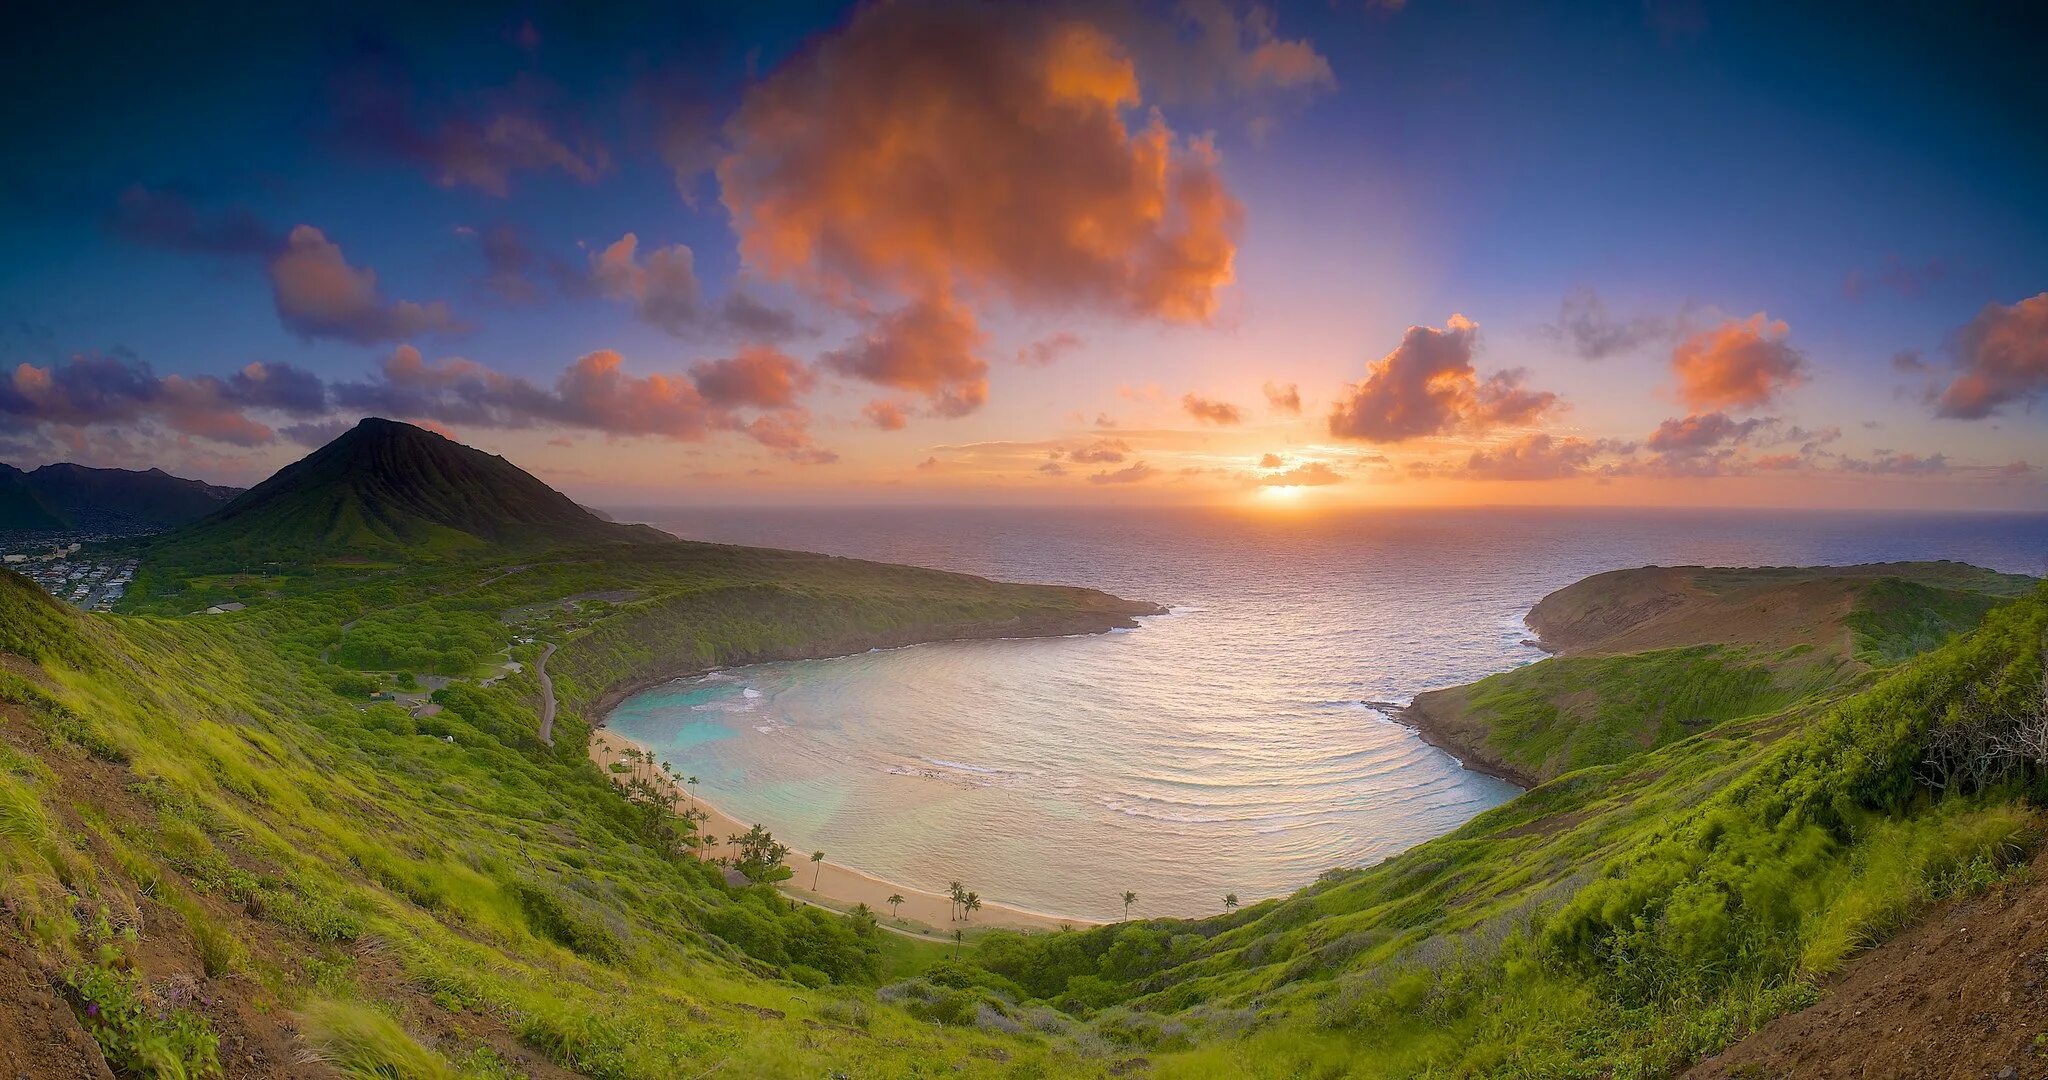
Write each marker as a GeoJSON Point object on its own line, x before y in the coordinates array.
{"type": "Point", "coordinates": [1282, 493]}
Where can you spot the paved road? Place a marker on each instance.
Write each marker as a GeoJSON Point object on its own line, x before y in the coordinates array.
{"type": "Point", "coordinates": [547, 693]}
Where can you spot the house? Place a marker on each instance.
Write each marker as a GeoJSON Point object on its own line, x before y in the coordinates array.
{"type": "Point", "coordinates": [222, 609]}
{"type": "Point", "coordinates": [12, 559]}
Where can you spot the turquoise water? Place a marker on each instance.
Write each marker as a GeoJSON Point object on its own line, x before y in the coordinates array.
{"type": "Point", "coordinates": [1226, 747]}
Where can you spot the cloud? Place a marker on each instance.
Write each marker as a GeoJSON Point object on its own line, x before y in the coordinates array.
{"type": "Point", "coordinates": [1741, 363]}
{"type": "Point", "coordinates": [1272, 461]}
{"type": "Point", "coordinates": [318, 294]}
{"type": "Point", "coordinates": [1308, 474]}
{"type": "Point", "coordinates": [1283, 397]}
{"type": "Point", "coordinates": [1132, 474]}
{"type": "Point", "coordinates": [1585, 328]}
{"type": "Point", "coordinates": [508, 261]}
{"type": "Point", "coordinates": [480, 148]}
{"type": "Point", "coordinates": [759, 376]}
{"type": "Point", "coordinates": [164, 219]}
{"type": "Point", "coordinates": [1053, 468]}
{"type": "Point", "coordinates": [662, 288]}
{"type": "Point", "coordinates": [1046, 350]}
{"type": "Point", "coordinates": [887, 415]}
{"type": "Point", "coordinates": [1216, 49]}
{"type": "Point", "coordinates": [1538, 456]}
{"type": "Point", "coordinates": [2002, 360]}
{"type": "Point", "coordinates": [1897, 464]}
{"type": "Point", "coordinates": [1100, 452]}
{"type": "Point", "coordinates": [1211, 412]}
{"type": "Point", "coordinates": [926, 348]}
{"type": "Point", "coordinates": [88, 390]}
{"type": "Point", "coordinates": [1700, 432]}
{"type": "Point", "coordinates": [1428, 386]}
{"type": "Point", "coordinates": [315, 433]}
{"type": "Point", "coordinates": [595, 393]}
{"type": "Point", "coordinates": [943, 156]}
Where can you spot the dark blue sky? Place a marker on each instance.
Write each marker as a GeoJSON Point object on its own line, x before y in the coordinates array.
{"type": "Point", "coordinates": [1611, 179]}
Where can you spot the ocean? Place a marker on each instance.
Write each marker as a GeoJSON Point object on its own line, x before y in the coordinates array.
{"type": "Point", "coordinates": [1232, 746]}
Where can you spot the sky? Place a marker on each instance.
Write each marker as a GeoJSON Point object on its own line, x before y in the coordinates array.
{"type": "Point", "coordinates": [1336, 254]}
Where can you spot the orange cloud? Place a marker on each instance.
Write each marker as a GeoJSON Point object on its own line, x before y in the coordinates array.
{"type": "Point", "coordinates": [2003, 353]}
{"type": "Point", "coordinates": [928, 347]}
{"type": "Point", "coordinates": [318, 294]}
{"type": "Point", "coordinates": [1100, 452]}
{"type": "Point", "coordinates": [1428, 386]}
{"type": "Point", "coordinates": [887, 415]}
{"type": "Point", "coordinates": [933, 152]}
{"type": "Point", "coordinates": [1211, 412]}
{"type": "Point", "coordinates": [1283, 397]}
{"type": "Point", "coordinates": [759, 376]}
{"type": "Point", "coordinates": [1132, 474]}
{"type": "Point", "coordinates": [1738, 364]}
{"type": "Point", "coordinates": [1044, 351]}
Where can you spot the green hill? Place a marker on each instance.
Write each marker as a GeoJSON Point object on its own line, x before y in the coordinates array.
{"type": "Point", "coordinates": [386, 489]}
{"type": "Point", "coordinates": [1649, 656]}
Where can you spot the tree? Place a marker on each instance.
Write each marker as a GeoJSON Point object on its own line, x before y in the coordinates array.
{"type": "Point", "coordinates": [956, 892]}
{"type": "Point", "coordinates": [895, 905]}
{"type": "Point", "coordinates": [1230, 901]}
{"type": "Point", "coordinates": [957, 935]}
{"type": "Point", "coordinates": [971, 903]}
{"type": "Point", "coordinates": [761, 855]}
{"type": "Point", "coordinates": [692, 781]}
{"type": "Point", "coordinates": [817, 865]}
{"type": "Point", "coordinates": [1129, 899]}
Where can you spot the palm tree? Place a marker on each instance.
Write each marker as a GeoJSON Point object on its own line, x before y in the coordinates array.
{"type": "Point", "coordinates": [956, 892]}
{"type": "Point", "coordinates": [1129, 899]}
{"type": "Point", "coordinates": [692, 781]}
{"type": "Point", "coordinates": [895, 905]}
{"type": "Point", "coordinates": [817, 859]}
{"type": "Point", "coordinates": [957, 935]}
{"type": "Point", "coordinates": [972, 903]}
{"type": "Point", "coordinates": [1230, 901]}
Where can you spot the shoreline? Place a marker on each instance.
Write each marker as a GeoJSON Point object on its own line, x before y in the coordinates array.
{"type": "Point", "coordinates": [840, 887]}
{"type": "Point", "coordinates": [1417, 719]}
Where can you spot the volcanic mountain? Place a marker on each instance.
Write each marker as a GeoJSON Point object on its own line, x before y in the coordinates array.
{"type": "Point", "coordinates": [385, 488]}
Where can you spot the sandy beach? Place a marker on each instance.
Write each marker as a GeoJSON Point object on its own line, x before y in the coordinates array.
{"type": "Point", "coordinates": [840, 886]}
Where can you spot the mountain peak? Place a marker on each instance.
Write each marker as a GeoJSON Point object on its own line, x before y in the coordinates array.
{"type": "Point", "coordinates": [385, 488]}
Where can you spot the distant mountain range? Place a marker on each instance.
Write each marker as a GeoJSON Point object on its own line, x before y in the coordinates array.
{"type": "Point", "coordinates": [73, 497]}
{"type": "Point", "coordinates": [385, 488]}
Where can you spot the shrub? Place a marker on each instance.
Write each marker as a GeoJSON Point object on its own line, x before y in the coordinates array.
{"type": "Point", "coordinates": [140, 1036]}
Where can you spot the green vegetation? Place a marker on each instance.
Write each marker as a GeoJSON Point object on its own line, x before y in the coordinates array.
{"type": "Point", "coordinates": [211, 836]}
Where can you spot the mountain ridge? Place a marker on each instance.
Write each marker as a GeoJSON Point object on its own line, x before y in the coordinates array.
{"type": "Point", "coordinates": [64, 495]}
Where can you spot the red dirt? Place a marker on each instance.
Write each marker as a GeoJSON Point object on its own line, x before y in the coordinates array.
{"type": "Point", "coordinates": [1963, 992]}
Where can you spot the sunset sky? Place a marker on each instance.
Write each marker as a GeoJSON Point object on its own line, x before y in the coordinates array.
{"type": "Point", "coordinates": [1336, 254]}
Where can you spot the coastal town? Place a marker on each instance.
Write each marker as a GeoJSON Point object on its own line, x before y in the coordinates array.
{"type": "Point", "coordinates": [57, 563]}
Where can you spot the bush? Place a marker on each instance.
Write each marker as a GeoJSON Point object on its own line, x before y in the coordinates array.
{"type": "Point", "coordinates": [138, 1035]}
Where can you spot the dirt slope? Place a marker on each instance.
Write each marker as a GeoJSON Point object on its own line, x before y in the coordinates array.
{"type": "Point", "coordinates": [1963, 992]}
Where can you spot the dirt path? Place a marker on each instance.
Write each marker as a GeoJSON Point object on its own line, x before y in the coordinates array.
{"type": "Point", "coordinates": [1962, 992]}
{"type": "Point", "coordinates": [547, 695]}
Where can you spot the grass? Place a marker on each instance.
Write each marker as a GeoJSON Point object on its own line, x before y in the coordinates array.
{"type": "Point", "coordinates": [417, 896]}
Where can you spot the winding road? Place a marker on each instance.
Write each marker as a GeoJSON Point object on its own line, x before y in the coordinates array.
{"type": "Point", "coordinates": [547, 694]}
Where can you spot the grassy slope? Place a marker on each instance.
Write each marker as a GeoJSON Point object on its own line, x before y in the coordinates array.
{"type": "Point", "coordinates": [1650, 656]}
{"type": "Point", "coordinates": [499, 898]}
{"type": "Point", "coordinates": [259, 834]}
{"type": "Point", "coordinates": [1620, 920]}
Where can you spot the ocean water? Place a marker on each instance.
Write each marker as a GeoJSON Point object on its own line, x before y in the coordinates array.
{"type": "Point", "coordinates": [1227, 747]}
